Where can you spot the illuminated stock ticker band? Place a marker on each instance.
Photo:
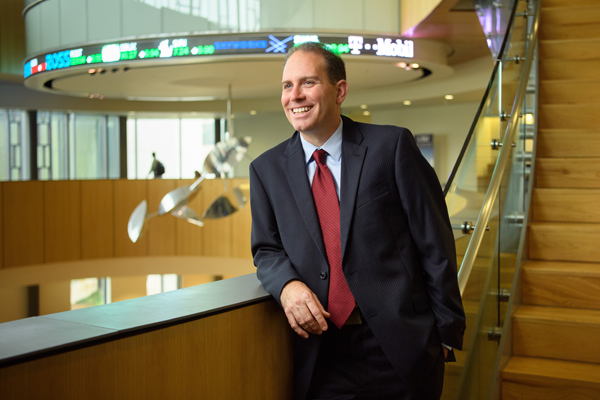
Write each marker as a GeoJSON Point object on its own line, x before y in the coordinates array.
{"type": "Point", "coordinates": [212, 45]}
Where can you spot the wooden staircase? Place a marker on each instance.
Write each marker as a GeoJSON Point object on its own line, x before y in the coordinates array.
{"type": "Point", "coordinates": [556, 331]}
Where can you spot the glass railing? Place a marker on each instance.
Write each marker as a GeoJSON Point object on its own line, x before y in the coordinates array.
{"type": "Point", "coordinates": [486, 198]}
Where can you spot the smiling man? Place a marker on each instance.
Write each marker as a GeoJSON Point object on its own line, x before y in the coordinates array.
{"type": "Point", "coordinates": [350, 234]}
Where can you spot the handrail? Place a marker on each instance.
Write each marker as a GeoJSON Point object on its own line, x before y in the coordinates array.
{"type": "Point", "coordinates": [463, 150]}
{"type": "Point", "coordinates": [494, 187]}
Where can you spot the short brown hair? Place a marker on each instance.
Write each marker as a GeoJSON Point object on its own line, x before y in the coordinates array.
{"type": "Point", "coordinates": [334, 65]}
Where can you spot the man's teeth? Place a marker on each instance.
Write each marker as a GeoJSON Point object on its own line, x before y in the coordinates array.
{"type": "Point", "coordinates": [300, 110]}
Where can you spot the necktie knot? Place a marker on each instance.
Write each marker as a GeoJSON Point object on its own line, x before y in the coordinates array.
{"type": "Point", "coordinates": [320, 156]}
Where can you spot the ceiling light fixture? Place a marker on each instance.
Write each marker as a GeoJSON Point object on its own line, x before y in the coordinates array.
{"type": "Point", "coordinates": [407, 102]}
{"type": "Point", "coordinates": [414, 65]}
{"type": "Point", "coordinates": [363, 106]}
{"type": "Point", "coordinates": [367, 113]}
{"type": "Point", "coordinates": [449, 97]}
{"type": "Point", "coordinates": [252, 112]}
{"type": "Point", "coordinates": [401, 65]}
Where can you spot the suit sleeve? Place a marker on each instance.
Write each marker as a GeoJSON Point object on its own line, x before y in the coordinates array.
{"type": "Point", "coordinates": [424, 204]}
{"type": "Point", "coordinates": [273, 267]}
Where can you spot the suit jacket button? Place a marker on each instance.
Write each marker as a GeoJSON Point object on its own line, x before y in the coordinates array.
{"type": "Point", "coordinates": [323, 275]}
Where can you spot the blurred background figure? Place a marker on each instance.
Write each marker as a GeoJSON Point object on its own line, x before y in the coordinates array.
{"type": "Point", "coordinates": [158, 169]}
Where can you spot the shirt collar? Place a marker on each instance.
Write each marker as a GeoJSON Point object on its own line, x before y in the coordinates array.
{"type": "Point", "coordinates": [333, 145]}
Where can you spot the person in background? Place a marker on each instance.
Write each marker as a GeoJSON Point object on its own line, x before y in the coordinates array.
{"type": "Point", "coordinates": [157, 168]}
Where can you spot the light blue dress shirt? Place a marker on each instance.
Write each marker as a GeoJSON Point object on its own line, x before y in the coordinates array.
{"type": "Point", "coordinates": [333, 146]}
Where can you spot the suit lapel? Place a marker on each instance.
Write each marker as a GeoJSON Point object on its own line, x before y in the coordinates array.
{"type": "Point", "coordinates": [300, 187]}
{"type": "Point", "coordinates": [353, 155]}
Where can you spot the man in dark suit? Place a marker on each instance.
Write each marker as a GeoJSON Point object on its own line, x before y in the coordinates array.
{"type": "Point", "coordinates": [384, 329]}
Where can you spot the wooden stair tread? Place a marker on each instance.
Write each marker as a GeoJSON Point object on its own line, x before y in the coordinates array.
{"type": "Point", "coordinates": [540, 370]}
{"type": "Point", "coordinates": [577, 226]}
{"type": "Point", "coordinates": [575, 91]}
{"type": "Point", "coordinates": [562, 172]}
{"type": "Point", "coordinates": [575, 49]}
{"type": "Point", "coordinates": [564, 131]}
{"type": "Point", "coordinates": [576, 143]}
{"type": "Point", "coordinates": [569, 41]}
{"type": "Point", "coordinates": [563, 268]}
{"type": "Point", "coordinates": [566, 205]}
{"type": "Point", "coordinates": [568, 69]}
{"type": "Point", "coordinates": [561, 284]}
{"type": "Point", "coordinates": [583, 14]}
{"type": "Point", "coordinates": [568, 3]}
{"type": "Point", "coordinates": [564, 241]}
{"type": "Point", "coordinates": [558, 315]}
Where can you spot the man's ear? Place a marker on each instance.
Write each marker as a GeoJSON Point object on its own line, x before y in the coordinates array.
{"type": "Point", "coordinates": [341, 90]}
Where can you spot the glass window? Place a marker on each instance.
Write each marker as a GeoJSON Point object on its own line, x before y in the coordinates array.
{"type": "Point", "coordinates": [88, 147]}
{"type": "Point", "coordinates": [156, 283]}
{"type": "Point", "coordinates": [180, 144]}
{"type": "Point", "coordinates": [197, 140]}
{"type": "Point", "coordinates": [59, 146]}
{"type": "Point", "coordinates": [89, 292]}
{"type": "Point", "coordinates": [113, 147]}
{"type": "Point", "coordinates": [131, 149]}
{"type": "Point", "coordinates": [159, 136]}
{"type": "Point", "coordinates": [4, 146]}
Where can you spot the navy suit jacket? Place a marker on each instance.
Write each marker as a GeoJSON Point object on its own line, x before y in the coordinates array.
{"type": "Point", "coordinates": [398, 252]}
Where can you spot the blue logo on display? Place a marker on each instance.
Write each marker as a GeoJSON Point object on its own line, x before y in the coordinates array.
{"type": "Point", "coordinates": [278, 46]}
{"type": "Point", "coordinates": [240, 44]}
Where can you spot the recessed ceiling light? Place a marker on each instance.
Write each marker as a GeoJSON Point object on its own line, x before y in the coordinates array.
{"type": "Point", "coordinates": [366, 113]}
{"type": "Point", "coordinates": [91, 71]}
{"type": "Point", "coordinates": [414, 65]}
{"type": "Point", "coordinates": [363, 106]}
{"type": "Point", "coordinates": [401, 65]}
{"type": "Point", "coordinates": [449, 97]}
{"type": "Point", "coordinates": [407, 102]}
{"type": "Point", "coordinates": [252, 112]}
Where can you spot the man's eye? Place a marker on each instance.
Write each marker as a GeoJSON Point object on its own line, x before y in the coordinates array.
{"type": "Point", "coordinates": [286, 86]}
{"type": "Point", "coordinates": [308, 82]}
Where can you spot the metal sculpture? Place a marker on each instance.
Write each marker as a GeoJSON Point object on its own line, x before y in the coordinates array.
{"type": "Point", "coordinates": [220, 161]}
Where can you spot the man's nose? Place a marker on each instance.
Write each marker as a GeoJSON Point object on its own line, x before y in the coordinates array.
{"type": "Point", "coordinates": [297, 93]}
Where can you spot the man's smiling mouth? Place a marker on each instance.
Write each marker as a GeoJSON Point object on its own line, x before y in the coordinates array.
{"type": "Point", "coordinates": [301, 110]}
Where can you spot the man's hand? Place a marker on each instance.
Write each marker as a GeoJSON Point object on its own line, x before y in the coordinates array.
{"type": "Point", "coordinates": [303, 309]}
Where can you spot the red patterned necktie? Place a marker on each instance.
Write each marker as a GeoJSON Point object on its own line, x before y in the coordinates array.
{"type": "Point", "coordinates": [341, 302]}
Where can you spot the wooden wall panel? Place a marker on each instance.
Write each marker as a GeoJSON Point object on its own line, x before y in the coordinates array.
{"type": "Point", "coordinates": [217, 232]}
{"type": "Point", "coordinates": [128, 194]}
{"type": "Point", "coordinates": [97, 219]}
{"type": "Point", "coordinates": [190, 237]}
{"type": "Point", "coordinates": [161, 229]}
{"type": "Point", "coordinates": [62, 220]}
{"type": "Point", "coordinates": [88, 220]}
{"type": "Point", "coordinates": [23, 223]}
{"type": "Point", "coordinates": [241, 224]}
{"type": "Point", "coordinates": [242, 354]}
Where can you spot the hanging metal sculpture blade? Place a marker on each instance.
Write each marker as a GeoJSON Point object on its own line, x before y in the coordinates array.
{"type": "Point", "coordinates": [137, 220]}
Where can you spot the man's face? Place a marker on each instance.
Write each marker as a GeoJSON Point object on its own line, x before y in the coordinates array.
{"type": "Point", "coordinates": [311, 103]}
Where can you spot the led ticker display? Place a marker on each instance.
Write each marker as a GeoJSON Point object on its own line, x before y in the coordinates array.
{"type": "Point", "coordinates": [214, 45]}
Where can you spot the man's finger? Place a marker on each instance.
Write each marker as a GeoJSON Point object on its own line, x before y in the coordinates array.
{"type": "Point", "coordinates": [319, 313]}
{"type": "Point", "coordinates": [294, 325]}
